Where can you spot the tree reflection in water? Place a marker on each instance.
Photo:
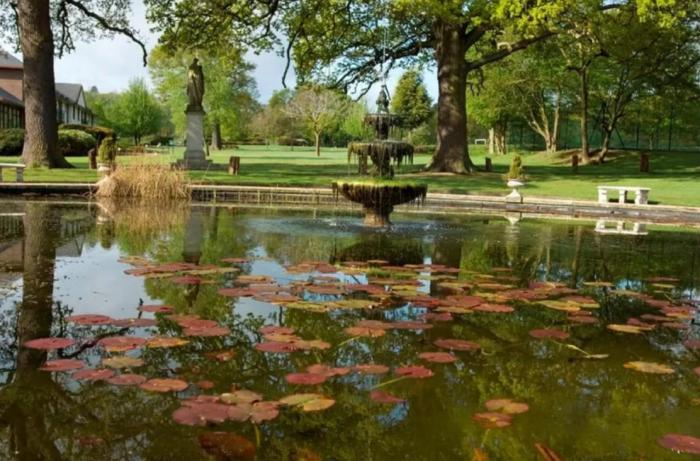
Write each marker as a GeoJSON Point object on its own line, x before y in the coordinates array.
{"type": "Point", "coordinates": [618, 414]}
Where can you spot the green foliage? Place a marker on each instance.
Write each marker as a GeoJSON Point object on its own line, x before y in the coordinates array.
{"type": "Point", "coordinates": [11, 141]}
{"type": "Point", "coordinates": [97, 132]}
{"type": "Point", "coordinates": [107, 153]}
{"type": "Point", "coordinates": [411, 101]}
{"type": "Point", "coordinates": [136, 112]}
{"type": "Point", "coordinates": [75, 143]}
{"type": "Point", "coordinates": [516, 167]}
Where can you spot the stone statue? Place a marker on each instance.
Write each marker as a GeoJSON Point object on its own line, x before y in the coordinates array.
{"type": "Point", "coordinates": [383, 100]}
{"type": "Point", "coordinates": [195, 86]}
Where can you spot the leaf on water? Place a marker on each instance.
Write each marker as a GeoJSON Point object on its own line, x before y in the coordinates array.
{"type": "Point", "coordinates": [327, 370]}
{"type": "Point", "coordinates": [247, 279]}
{"type": "Point", "coordinates": [165, 342]}
{"type": "Point", "coordinates": [312, 344]}
{"type": "Point", "coordinates": [317, 404]}
{"type": "Point", "coordinates": [271, 329]}
{"type": "Point", "coordinates": [127, 379]}
{"type": "Point", "coordinates": [93, 375]}
{"type": "Point", "coordinates": [438, 316]}
{"type": "Point", "coordinates": [121, 343]}
{"type": "Point", "coordinates": [306, 379]}
{"type": "Point", "coordinates": [584, 319]}
{"type": "Point", "coordinates": [241, 396]}
{"type": "Point", "coordinates": [560, 306]}
{"type": "Point", "coordinates": [308, 306]}
{"type": "Point", "coordinates": [546, 453]}
{"type": "Point", "coordinates": [221, 356]}
{"type": "Point", "coordinates": [681, 443]}
{"type": "Point", "coordinates": [410, 325]}
{"type": "Point", "coordinates": [298, 399]}
{"type": "Point", "coordinates": [62, 365]}
{"type": "Point", "coordinates": [365, 332]}
{"type": "Point", "coordinates": [508, 406]}
{"type": "Point", "coordinates": [371, 369]}
{"type": "Point", "coordinates": [495, 308]}
{"type": "Point", "coordinates": [414, 371]}
{"type": "Point", "coordinates": [164, 385]}
{"type": "Point", "coordinates": [227, 446]}
{"type": "Point", "coordinates": [384, 397]}
{"type": "Point", "coordinates": [620, 328]}
{"type": "Point", "coordinates": [90, 319]}
{"type": "Point", "coordinates": [585, 302]}
{"type": "Point", "coordinates": [353, 304]}
{"type": "Point", "coordinates": [122, 362]}
{"type": "Point", "coordinates": [276, 348]}
{"type": "Point", "coordinates": [156, 309]}
{"type": "Point", "coordinates": [134, 323]}
{"type": "Point", "coordinates": [48, 344]}
{"type": "Point", "coordinates": [207, 332]}
{"type": "Point", "coordinates": [493, 420]}
{"type": "Point", "coordinates": [201, 413]}
{"type": "Point", "coordinates": [650, 367]}
{"type": "Point", "coordinates": [437, 357]}
{"type": "Point", "coordinates": [549, 333]}
{"type": "Point", "coordinates": [264, 411]}
{"type": "Point", "coordinates": [457, 344]}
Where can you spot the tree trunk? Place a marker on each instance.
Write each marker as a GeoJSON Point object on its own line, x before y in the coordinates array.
{"type": "Point", "coordinates": [317, 135]}
{"type": "Point", "coordinates": [492, 141]}
{"type": "Point", "coordinates": [607, 137]}
{"type": "Point", "coordinates": [500, 137]}
{"type": "Point", "coordinates": [451, 154]}
{"type": "Point", "coordinates": [216, 143]}
{"type": "Point", "coordinates": [41, 129]}
{"type": "Point", "coordinates": [585, 156]}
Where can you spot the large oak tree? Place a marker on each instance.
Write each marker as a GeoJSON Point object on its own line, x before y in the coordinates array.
{"type": "Point", "coordinates": [42, 28]}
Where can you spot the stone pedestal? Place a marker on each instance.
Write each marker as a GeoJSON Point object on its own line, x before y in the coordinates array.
{"type": "Point", "coordinates": [195, 158]}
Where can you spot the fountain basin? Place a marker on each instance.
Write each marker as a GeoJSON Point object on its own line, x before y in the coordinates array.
{"type": "Point", "coordinates": [378, 198]}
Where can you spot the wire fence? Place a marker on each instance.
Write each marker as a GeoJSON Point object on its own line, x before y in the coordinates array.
{"type": "Point", "coordinates": [633, 133]}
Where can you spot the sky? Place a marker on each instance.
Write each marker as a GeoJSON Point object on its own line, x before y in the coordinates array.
{"type": "Point", "coordinates": [109, 64]}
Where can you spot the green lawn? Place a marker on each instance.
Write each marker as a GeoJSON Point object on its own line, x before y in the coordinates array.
{"type": "Point", "coordinates": [674, 177]}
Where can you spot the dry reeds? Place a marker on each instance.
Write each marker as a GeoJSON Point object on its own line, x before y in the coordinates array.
{"type": "Point", "coordinates": [145, 181]}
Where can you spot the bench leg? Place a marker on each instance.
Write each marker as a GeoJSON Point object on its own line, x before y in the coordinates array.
{"type": "Point", "coordinates": [602, 196]}
{"type": "Point", "coordinates": [623, 196]}
{"type": "Point", "coordinates": [642, 198]}
{"type": "Point", "coordinates": [20, 174]}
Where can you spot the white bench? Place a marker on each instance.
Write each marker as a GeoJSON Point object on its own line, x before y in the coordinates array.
{"type": "Point", "coordinates": [19, 170]}
{"type": "Point", "coordinates": [480, 141]}
{"type": "Point", "coordinates": [620, 228]}
{"type": "Point", "coordinates": [641, 194]}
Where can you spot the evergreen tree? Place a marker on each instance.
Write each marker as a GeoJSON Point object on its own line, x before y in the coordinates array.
{"type": "Point", "coordinates": [411, 101]}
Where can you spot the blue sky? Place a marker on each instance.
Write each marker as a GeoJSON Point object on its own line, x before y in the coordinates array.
{"type": "Point", "coordinates": [109, 64]}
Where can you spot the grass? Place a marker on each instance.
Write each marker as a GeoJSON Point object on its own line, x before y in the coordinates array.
{"type": "Point", "coordinates": [673, 180]}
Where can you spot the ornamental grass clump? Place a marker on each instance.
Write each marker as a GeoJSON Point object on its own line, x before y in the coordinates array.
{"type": "Point", "coordinates": [516, 168]}
{"type": "Point", "coordinates": [145, 181]}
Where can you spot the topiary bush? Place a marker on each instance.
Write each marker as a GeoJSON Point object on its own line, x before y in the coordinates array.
{"type": "Point", "coordinates": [11, 141]}
{"type": "Point", "coordinates": [75, 143]}
{"type": "Point", "coordinates": [516, 167]}
{"type": "Point", "coordinates": [96, 131]}
{"type": "Point", "coordinates": [107, 153]}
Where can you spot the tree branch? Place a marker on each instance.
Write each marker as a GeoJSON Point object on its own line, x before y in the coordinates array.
{"type": "Point", "coordinates": [507, 50]}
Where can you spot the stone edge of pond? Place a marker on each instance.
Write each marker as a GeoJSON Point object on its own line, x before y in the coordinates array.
{"type": "Point", "coordinates": [435, 202]}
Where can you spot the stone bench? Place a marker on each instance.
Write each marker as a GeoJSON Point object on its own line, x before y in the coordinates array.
{"type": "Point", "coordinates": [19, 170]}
{"type": "Point", "coordinates": [641, 194]}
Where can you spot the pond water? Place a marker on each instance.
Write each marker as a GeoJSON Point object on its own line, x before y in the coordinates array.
{"type": "Point", "coordinates": [566, 344]}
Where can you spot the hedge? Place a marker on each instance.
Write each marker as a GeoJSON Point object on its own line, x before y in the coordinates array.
{"type": "Point", "coordinates": [96, 131]}
{"type": "Point", "coordinates": [75, 143]}
{"type": "Point", "coordinates": [11, 141]}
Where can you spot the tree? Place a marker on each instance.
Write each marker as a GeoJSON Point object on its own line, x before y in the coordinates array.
{"type": "Point", "coordinates": [137, 112]}
{"type": "Point", "coordinates": [272, 121]}
{"type": "Point", "coordinates": [411, 101]}
{"type": "Point", "coordinates": [230, 95]}
{"type": "Point", "coordinates": [33, 24]}
{"type": "Point", "coordinates": [317, 108]}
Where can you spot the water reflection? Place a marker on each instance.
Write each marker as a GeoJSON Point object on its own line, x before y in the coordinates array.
{"type": "Point", "coordinates": [63, 260]}
{"type": "Point", "coordinates": [619, 227]}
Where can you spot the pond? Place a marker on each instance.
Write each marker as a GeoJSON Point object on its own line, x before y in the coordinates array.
{"type": "Point", "coordinates": [234, 333]}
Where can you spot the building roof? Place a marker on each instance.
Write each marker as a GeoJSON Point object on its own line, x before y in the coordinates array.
{"type": "Point", "coordinates": [7, 61]}
{"type": "Point", "coordinates": [7, 98]}
{"type": "Point", "coordinates": [69, 91]}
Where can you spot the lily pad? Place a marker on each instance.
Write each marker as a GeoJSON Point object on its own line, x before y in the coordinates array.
{"type": "Point", "coordinates": [277, 348]}
{"type": "Point", "coordinates": [317, 405]}
{"type": "Point", "coordinates": [210, 332]}
{"type": "Point", "coordinates": [241, 396]}
{"type": "Point", "coordinates": [506, 406]}
{"type": "Point", "coordinates": [457, 345]}
{"type": "Point", "coordinates": [650, 367]}
{"type": "Point", "coordinates": [271, 329]}
{"type": "Point", "coordinates": [620, 328]}
{"type": "Point", "coordinates": [122, 343]}
{"type": "Point", "coordinates": [495, 308]}
{"type": "Point", "coordinates": [199, 414]}
{"type": "Point", "coordinates": [134, 323]}
{"type": "Point", "coordinates": [414, 371]}
{"type": "Point", "coordinates": [156, 309]}
{"type": "Point", "coordinates": [493, 420]}
{"type": "Point", "coordinates": [165, 342]}
{"type": "Point", "coordinates": [438, 357]}
{"type": "Point", "coordinates": [164, 385]}
{"type": "Point", "coordinates": [48, 344]}
{"type": "Point", "coordinates": [90, 319]}
{"type": "Point", "coordinates": [122, 362]}
{"type": "Point", "coordinates": [93, 375]}
{"type": "Point", "coordinates": [371, 369]}
{"type": "Point", "coordinates": [384, 397]}
{"type": "Point", "coordinates": [306, 379]}
{"type": "Point", "coordinates": [264, 411]}
{"type": "Point", "coordinates": [127, 379]}
{"type": "Point", "coordinates": [327, 370]}
{"type": "Point", "coordinates": [681, 443]}
{"type": "Point", "coordinates": [62, 365]}
{"type": "Point", "coordinates": [365, 332]}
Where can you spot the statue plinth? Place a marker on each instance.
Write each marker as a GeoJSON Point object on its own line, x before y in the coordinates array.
{"type": "Point", "coordinates": [195, 157]}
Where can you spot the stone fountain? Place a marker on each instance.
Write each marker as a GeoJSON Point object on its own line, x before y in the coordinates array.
{"type": "Point", "coordinates": [380, 193]}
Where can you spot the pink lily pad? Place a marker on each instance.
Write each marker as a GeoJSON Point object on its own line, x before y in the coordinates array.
{"type": "Point", "coordinates": [681, 443]}
{"type": "Point", "coordinates": [122, 343]}
{"type": "Point", "coordinates": [495, 308]}
{"type": "Point", "coordinates": [127, 379]}
{"type": "Point", "coordinates": [438, 357]}
{"type": "Point", "coordinates": [207, 332]}
{"type": "Point", "coordinates": [457, 344]}
{"type": "Point", "coordinates": [93, 375]}
{"type": "Point", "coordinates": [201, 413]}
{"type": "Point", "coordinates": [156, 309]}
{"type": "Point", "coordinates": [371, 369]}
{"type": "Point", "coordinates": [306, 379]}
{"type": "Point", "coordinates": [48, 344]}
{"type": "Point", "coordinates": [271, 329]}
{"type": "Point", "coordinates": [164, 385]}
{"type": "Point", "coordinates": [414, 371]}
{"type": "Point", "coordinates": [276, 347]}
{"type": "Point", "coordinates": [327, 370]}
{"type": "Point", "coordinates": [493, 420]}
{"type": "Point", "coordinates": [134, 323]}
{"type": "Point", "coordinates": [90, 319]}
{"type": "Point", "coordinates": [62, 365]}
{"type": "Point", "coordinates": [384, 397]}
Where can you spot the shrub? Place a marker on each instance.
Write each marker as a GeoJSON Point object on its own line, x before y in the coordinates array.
{"type": "Point", "coordinates": [75, 143]}
{"type": "Point", "coordinates": [516, 167]}
{"type": "Point", "coordinates": [145, 181]}
{"type": "Point", "coordinates": [107, 153]}
{"type": "Point", "coordinates": [424, 149]}
{"type": "Point", "coordinates": [11, 141]}
{"type": "Point", "coordinates": [96, 131]}
{"type": "Point", "coordinates": [289, 141]}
